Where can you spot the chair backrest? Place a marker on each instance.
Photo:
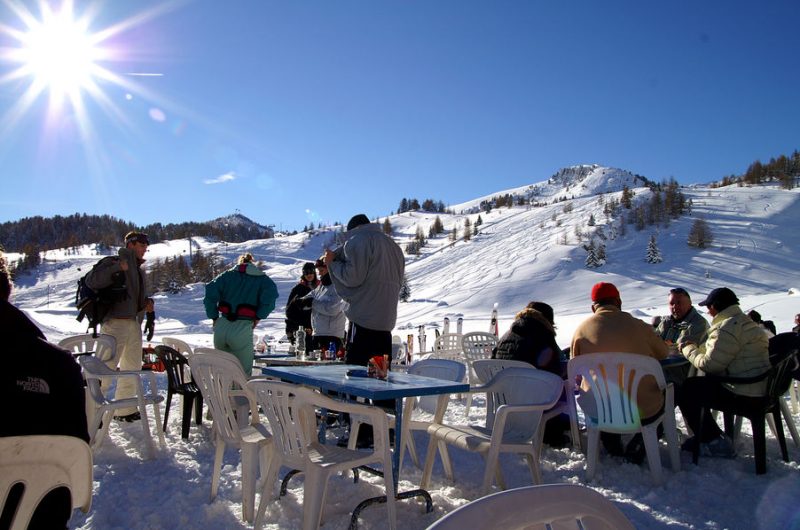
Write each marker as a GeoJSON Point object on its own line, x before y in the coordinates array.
{"type": "Point", "coordinates": [783, 356]}
{"type": "Point", "coordinates": [522, 386]}
{"type": "Point", "coordinates": [445, 369]}
{"type": "Point", "coordinates": [485, 370]}
{"type": "Point", "coordinates": [447, 344]}
{"type": "Point", "coordinates": [175, 365]}
{"type": "Point", "coordinates": [221, 380]}
{"type": "Point", "coordinates": [178, 345]}
{"type": "Point", "coordinates": [103, 346]}
{"type": "Point", "coordinates": [478, 344]}
{"type": "Point", "coordinates": [42, 463]}
{"type": "Point", "coordinates": [293, 425]}
{"type": "Point", "coordinates": [561, 506]}
{"type": "Point", "coordinates": [613, 380]}
{"type": "Point", "coordinates": [93, 371]}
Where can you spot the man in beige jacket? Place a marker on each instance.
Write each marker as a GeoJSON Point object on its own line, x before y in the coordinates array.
{"type": "Point", "coordinates": [610, 329]}
{"type": "Point", "coordinates": [736, 346]}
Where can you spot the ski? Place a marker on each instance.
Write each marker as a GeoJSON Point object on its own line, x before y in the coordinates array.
{"type": "Point", "coordinates": [493, 323]}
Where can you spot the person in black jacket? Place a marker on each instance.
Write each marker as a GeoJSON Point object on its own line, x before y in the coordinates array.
{"type": "Point", "coordinates": [298, 313]}
{"type": "Point", "coordinates": [532, 339]}
{"type": "Point", "coordinates": [42, 390]}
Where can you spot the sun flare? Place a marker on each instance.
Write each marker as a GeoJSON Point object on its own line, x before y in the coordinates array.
{"type": "Point", "coordinates": [60, 53]}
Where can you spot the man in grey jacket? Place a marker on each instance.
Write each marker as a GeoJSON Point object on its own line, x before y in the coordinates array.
{"type": "Point", "coordinates": [367, 272]}
{"type": "Point", "coordinates": [683, 323]}
{"type": "Point", "coordinates": [123, 321]}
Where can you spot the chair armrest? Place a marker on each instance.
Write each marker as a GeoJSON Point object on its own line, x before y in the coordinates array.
{"type": "Point", "coordinates": [739, 380]}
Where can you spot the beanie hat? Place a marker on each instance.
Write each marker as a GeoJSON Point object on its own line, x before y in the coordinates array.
{"type": "Point", "coordinates": [604, 291]}
{"type": "Point", "coordinates": [308, 267]}
{"type": "Point", "coordinates": [357, 220]}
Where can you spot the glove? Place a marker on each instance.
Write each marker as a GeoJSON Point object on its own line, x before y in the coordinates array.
{"type": "Point", "coordinates": [150, 324]}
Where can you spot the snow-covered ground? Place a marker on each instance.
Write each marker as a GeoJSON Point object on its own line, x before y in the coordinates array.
{"type": "Point", "coordinates": [517, 256]}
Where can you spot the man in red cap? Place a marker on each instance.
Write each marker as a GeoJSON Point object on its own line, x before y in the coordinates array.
{"type": "Point", "coordinates": [610, 329]}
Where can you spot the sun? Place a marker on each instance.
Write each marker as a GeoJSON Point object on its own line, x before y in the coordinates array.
{"type": "Point", "coordinates": [60, 53]}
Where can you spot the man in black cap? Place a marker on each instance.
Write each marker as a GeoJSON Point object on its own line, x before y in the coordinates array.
{"type": "Point", "coordinates": [736, 347]}
{"type": "Point", "coordinates": [367, 272]}
{"type": "Point", "coordinates": [123, 321]}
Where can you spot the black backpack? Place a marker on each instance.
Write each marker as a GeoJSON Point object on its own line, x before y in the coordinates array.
{"type": "Point", "coordinates": [93, 304]}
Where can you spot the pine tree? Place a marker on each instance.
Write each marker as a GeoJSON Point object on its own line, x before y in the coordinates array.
{"type": "Point", "coordinates": [467, 229]}
{"type": "Point", "coordinates": [591, 256]}
{"type": "Point", "coordinates": [591, 221]}
{"type": "Point", "coordinates": [387, 227]}
{"type": "Point", "coordinates": [479, 221]}
{"type": "Point", "coordinates": [405, 290]}
{"type": "Point", "coordinates": [653, 254]}
{"type": "Point", "coordinates": [601, 254]}
{"type": "Point", "coordinates": [700, 234]}
{"type": "Point", "coordinates": [627, 195]}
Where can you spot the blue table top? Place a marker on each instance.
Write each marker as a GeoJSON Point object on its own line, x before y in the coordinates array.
{"type": "Point", "coordinates": [335, 377]}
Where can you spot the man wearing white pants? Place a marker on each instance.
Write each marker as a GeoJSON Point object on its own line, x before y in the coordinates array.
{"type": "Point", "coordinates": [124, 318]}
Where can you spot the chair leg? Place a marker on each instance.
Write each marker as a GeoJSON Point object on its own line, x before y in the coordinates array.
{"type": "Point", "coordinates": [778, 426]}
{"type": "Point", "coordinates": [250, 465]}
{"type": "Point", "coordinates": [759, 443]}
{"type": "Point", "coordinates": [166, 409]}
{"type": "Point", "coordinates": [429, 458]}
{"type": "Point", "coordinates": [186, 418]}
{"type": "Point", "coordinates": [699, 436]}
{"type": "Point", "coordinates": [592, 451]}
{"type": "Point", "coordinates": [787, 417]}
{"type": "Point", "coordinates": [650, 437]}
{"type": "Point", "coordinates": [314, 486]}
{"type": "Point", "coordinates": [219, 451]}
{"type": "Point", "coordinates": [198, 408]}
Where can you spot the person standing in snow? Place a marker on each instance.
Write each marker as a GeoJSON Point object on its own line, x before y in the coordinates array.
{"type": "Point", "coordinates": [327, 311]}
{"type": "Point", "coordinates": [123, 321]}
{"type": "Point", "coordinates": [243, 295]}
{"type": "Point", "coordinates": [367, 272]}
{"type": "Point", "coordinates": [299, 315]}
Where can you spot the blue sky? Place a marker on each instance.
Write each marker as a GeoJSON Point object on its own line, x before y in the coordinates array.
{"type": "Point", "coordinates": [298, 112]}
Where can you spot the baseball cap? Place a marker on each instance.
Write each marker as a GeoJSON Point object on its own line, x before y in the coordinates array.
{"type": "Point", "coordinates": [721, 296]}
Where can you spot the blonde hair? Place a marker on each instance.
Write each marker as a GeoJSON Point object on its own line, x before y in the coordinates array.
{"type": "Point", "coordinates": [246, 258]}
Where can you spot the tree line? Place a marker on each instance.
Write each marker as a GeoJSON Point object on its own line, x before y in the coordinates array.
{"type": "Point", "coordinates": [783, 169]}
{"type": "Point", "coordinates": [37, 233]}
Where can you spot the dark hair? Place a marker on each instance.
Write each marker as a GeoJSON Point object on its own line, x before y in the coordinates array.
{"type": "Point", "coordinates": [755, 316]}
{"type": "Point", "coordinates": [680, 290]}
{"type": "Point", "coordinates": [544, 309]}
{"type": "Point", "coordinates": [136, 237]}
{"type": "Point", "coordinates": [5, 278]}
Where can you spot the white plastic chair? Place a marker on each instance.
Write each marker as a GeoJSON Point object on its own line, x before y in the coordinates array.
{"type": "Point", "coordinates": [556, 506]}
{"type": "Point", "coordinates": [447, 346]}
{"type": "Point", "coordinates": [614, 385]}
{"type": "Point", "coordinates": [290, 410]}
{"type": "Point", "coordinates": [42, 463]}
{"type": "Point", "coordinates": [103, 346]}
{"type": "Point", "coordinates": [223, 383]}
{"type": "Point", "coordinates": [178, 345]}
{"type": "Point", "coordinates": [100, 407]}
{"type": "Point", "coordinates": [476, 345]}
{"type": "Point", "coordinates": [485, 369]}
{"type": "Point", "coordinates": [520, 396]}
